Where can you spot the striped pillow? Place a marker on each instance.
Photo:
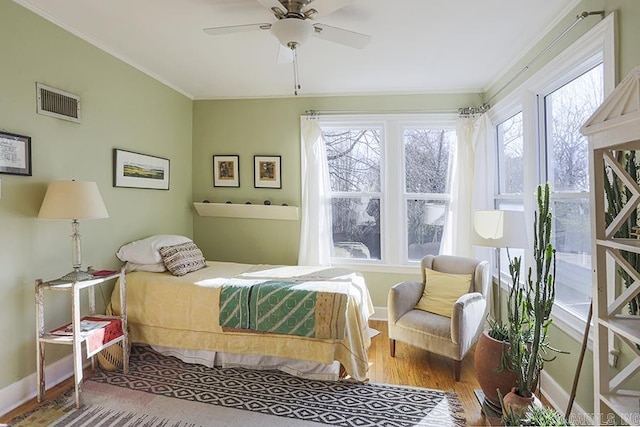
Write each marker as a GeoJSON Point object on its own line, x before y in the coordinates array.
{"type": "Point", "coordinates": [182, 259]}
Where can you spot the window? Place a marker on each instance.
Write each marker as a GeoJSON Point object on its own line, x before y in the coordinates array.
{"type": "Point", "coordinates": [426, 166]}
{"type": "Point", "coordinates": [353, 156]}
{"type": "Point", "coordinates": [510, 177]}
{"type": "Point", "coordinates": [510, 153]}
{"type": "Point", "coordinates": [389, 186]}
{"type": "Point", "coordinates": [566, 109]}
{"type": "Point", "coordinates": [539, 140]}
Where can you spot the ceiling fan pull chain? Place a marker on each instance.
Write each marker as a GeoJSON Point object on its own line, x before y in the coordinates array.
{"type": "Point", "coordinates": [296, 73]}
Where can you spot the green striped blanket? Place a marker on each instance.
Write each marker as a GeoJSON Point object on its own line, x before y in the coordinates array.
{"type": "Point", "coordinates": [276, 307]}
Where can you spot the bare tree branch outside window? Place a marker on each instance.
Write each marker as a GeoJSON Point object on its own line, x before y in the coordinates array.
{"type": "Point", "coordinates": [427, 153]}
{"type": "Point", "coordinates": [353, 156]}
{"type": "Point", "coordinates": [511, 171]}
{"type": "Point", "coordinates": [566, 110]}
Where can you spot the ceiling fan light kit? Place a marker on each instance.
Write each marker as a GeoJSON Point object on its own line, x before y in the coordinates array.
{"type": "Point", "coordinates": [292, 31]}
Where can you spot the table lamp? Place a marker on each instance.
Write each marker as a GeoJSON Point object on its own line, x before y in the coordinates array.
{"type": "Point", "coordinates": [73, 200]}
{"type": "Point", "coordinates": [499, 229]}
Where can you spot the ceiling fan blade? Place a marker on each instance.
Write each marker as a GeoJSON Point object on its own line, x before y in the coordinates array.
{"type": "Point", "coordinates": [279, 11]}
{"type": "Point", "coordinates": [216, 31]}
{"type": "Point", "coordinates": [341, 36]}
{"type": "Point", "coordinates": [323, 7]}
{"type": "Point", "coordinates": [285, 55]}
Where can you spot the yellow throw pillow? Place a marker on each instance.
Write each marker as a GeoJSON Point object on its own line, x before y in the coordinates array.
{"type": "Point", "coordinates": [442, 290]}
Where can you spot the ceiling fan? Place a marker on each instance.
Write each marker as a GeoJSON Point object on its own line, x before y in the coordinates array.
{"type": "Point", "coordinates": [294, 26]}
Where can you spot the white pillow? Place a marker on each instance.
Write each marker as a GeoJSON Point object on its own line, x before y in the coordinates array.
{"type": "Point", "coordinates": [146, 251]}
{"type": "Point", "coordinates": [154, 268]}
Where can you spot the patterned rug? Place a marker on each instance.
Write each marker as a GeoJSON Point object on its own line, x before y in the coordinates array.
{"type": "Point", "coordinates": [164, 391]}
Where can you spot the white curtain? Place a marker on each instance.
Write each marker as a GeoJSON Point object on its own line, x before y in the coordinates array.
{"type": "Point", "coordinates": [470, 180]}
{"type": "Point", "coordinates": [315, 229]}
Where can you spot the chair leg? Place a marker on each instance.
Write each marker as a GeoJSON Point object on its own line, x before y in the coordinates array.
{"type": "Point", "coordinates": [457, 367]}
{"type": "Point", "coordinates": [392, 347]}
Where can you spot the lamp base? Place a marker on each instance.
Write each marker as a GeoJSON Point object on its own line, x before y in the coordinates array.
{"type": "Point", "coordinates": [77, 276]}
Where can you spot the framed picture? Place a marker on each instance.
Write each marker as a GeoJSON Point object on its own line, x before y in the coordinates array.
{"type": "Point", "coordinates": [226, 171]}
{"type": "Point", "coordinates": [135, 170]}
{"type": "Point", "coordinates": [267, 172]}
{"type": "Point", "coordinates": [15, 154]}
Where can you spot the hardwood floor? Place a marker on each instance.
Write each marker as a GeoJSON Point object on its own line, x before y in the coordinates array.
{"type": "Point", "coordinates": [415, 367]}
{"type": "Point", "coordinates": [411, 366]}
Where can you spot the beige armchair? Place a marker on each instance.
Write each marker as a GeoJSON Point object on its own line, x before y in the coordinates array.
{"type": "Point", "coordinates": [451, 337]}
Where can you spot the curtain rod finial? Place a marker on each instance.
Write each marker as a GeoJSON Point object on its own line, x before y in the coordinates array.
{"type": "Point", "coordinates": [586, 14]}
{"type": "Point", "coordinates": [474, 111]}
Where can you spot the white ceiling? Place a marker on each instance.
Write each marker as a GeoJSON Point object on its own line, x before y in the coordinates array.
{"type": "Point", "coordinates": [417, 46]}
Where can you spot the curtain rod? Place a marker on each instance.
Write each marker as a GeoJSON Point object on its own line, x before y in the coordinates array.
{"type": "Point", "coordinates": [316, 113]}
{"type": "Point", "coordinates": [472, 111]}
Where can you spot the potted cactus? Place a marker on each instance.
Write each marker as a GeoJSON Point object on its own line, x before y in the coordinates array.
{"type": "Point", "coordinates": [529, 309]}
{"type": "Point", "coordinates": [535, 416]}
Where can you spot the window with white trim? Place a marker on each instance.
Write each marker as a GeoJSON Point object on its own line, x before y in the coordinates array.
{"type": "Point", "coordinates": [354, 157]}
{"type": "Point", "coordinates": [389, 180]}
{"type": "Point", "coordinates": [566, 165]}
{"type": "Point", "coordinates": [539, 126]}
{"type": "Point", "coordinates": [427, 153]}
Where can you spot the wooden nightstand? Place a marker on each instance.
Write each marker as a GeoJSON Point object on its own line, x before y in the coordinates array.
{"type": "Point", "coordinates": [94, 340]}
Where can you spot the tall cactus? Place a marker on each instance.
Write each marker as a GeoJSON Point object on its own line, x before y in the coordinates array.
{"type": "Point", "coordinates": [530, 303]}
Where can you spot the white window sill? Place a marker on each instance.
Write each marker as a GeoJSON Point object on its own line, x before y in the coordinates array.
{"type": "Point", "coordinates": [572, 325]}
{"type": "Point", "coordinates": [377, 267]}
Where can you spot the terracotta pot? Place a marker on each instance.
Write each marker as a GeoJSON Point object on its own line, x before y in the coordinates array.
{"type": "Point", "coordinates": [518, 404]}
{"type": "Point", "coordinates": [487, 361]}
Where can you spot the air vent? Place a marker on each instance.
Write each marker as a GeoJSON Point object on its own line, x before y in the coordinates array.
{"type": "Point", "coordinates": [57, 103]}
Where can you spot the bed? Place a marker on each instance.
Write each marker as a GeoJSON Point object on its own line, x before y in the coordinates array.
{"type": "Point", "coordinates": [180, 316]}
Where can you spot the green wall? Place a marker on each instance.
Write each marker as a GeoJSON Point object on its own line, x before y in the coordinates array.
{"type": "Point", "coordinates": [121, 107]}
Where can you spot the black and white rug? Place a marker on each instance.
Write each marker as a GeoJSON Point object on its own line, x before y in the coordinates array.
{"type": "Point", "coordinates": [161, 390]}
{"type": "Point", "coordinates": [342, 403]}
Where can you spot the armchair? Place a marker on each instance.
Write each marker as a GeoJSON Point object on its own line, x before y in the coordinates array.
{"type": "Point", "coordinates": [451, 337]}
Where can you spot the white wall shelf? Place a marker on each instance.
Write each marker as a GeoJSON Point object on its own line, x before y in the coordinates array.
{"type": "Point", "coordinates": [232, 210]}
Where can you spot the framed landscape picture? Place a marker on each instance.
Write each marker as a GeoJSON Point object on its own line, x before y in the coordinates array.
{"type": "Point", "coordinates": [226, 171]}
{"type": "Point", "coordinates": [135, 170]}
{"type": "Point", "coordinates": [267, 172]}
{"type": "Point", "coordinates": [15, 154]}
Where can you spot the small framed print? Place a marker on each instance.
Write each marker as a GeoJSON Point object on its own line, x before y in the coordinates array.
{"type": "Point", "coordinates": [136, 170]}
{"type": "Point", "coordinates": [226, 171]}
{"type": "Point", "coordinates": [15, 154]}
{"type": "Point", "coordinates": [267, 172]}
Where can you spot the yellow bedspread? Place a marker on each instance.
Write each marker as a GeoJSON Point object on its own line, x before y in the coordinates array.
{"type": "Point", "coordinates": [183, 312]}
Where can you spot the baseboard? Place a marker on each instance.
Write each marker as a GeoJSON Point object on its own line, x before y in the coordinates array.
{"type": "Point", "coordinates": [559, 399]}
{"type": "Point", "coordinates": [24, 390]}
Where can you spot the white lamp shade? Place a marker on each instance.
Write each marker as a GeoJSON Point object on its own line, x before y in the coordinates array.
{"type": "Point", "coordinates": [73, 200]}
{"type": "Point", "coordinates": [500, 229]}
{"type": "Point", "coordinates": [292, 30]}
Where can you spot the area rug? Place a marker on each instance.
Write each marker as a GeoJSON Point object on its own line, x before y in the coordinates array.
{"type": "Point", "coordinates": [164, 391]}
